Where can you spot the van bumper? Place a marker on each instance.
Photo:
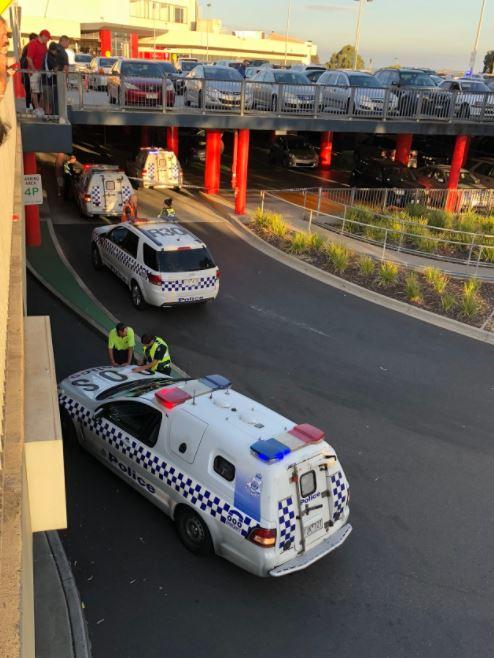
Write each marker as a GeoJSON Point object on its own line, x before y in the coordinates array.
{"type": "Point", "coordinates": [306, 559]}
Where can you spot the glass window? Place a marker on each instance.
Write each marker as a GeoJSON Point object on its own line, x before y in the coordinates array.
{"type": "Point", "coordinates": [220, 73]}
{"type": "Point", "coordinates": [150, 257]}
{"type": "Point", "coordinates": [107, 62]}
{"type": "Point", "coordinates": [363, 81]}
{"type": "Point", "coordinates": [118, 235]}
{"type": "Point", "coordinates": [131, 243]}
{"type": "Point", "coordinates": [308, 484]}
{"type": "Point", "coordinates": [147, 69]}
{"type": "Point", "coordinates": [139, 420]}
{"type": "Point", "coordinates": [224, 468]}
{"type": "Point", "coordinates": [290, 77]}
{"type": "Point", "coordinates": [415, 79]}
{"type": "Point", "coordinates": [179, 15]}
{"type": "Point", "coordinates": [472, 85]}
{"type": "Point", "coordinates": [188, 260]}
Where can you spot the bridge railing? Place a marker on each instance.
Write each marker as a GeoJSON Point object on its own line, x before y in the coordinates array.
{"type": "Point", "coordinates": [87, 90]}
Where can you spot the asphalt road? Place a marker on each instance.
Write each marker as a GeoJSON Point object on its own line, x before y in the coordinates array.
{"type": "Point", "coordinates": [407, 406]}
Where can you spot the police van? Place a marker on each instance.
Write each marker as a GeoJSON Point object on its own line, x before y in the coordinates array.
{"type": "Point", "coordinates": [236, 477]}
{"type": "Point", "coordinates": [156, 167]}
{"type": "Point", "coordinates": [161, 262]}
{"type": "Point", "coordinates": [102, 190]}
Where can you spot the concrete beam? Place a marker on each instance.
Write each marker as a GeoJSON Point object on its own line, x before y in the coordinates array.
{"type": "Point", "coordinates": [44, 137]}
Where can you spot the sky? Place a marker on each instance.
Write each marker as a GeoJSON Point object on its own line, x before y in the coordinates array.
{"type": "Point", "coordinates": [435, 33]}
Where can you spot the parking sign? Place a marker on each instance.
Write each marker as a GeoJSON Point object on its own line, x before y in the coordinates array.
{"type": "Point", "coordinates": [33, 191]}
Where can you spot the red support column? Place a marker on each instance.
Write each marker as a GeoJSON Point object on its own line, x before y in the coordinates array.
{"type": "Point", "coordinates": [459, 154]}
{"type": "Point", "coordinates": [213, 161]}
{"type": "Point", "coordinates": [134, 44]}
{"type": "Point", "coordinates": [105, 43]}
{"type": "Point", "coordinates": [33, 231]}
{"type": "Point", "coordinates": [241, 171]}
{"type": "Point", "coordinates": [172, 139]}
{"type": "Point", "coordinates": [403, 148]}
{"type": "Point", "coordinates": [145, 136]}
{"type": "Point", "coordinates": [326, 150]}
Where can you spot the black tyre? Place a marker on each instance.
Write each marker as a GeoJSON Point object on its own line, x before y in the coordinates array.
{"type": "Point", "coordinates": [68, 427]}
{"type": "Point", "coordinates": [136, 295]}
{"type": "Point", "coordinates": [96, 258]}
{"type": "Point", "coordinates": [193, 532]}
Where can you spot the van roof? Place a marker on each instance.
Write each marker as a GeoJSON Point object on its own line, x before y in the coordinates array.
{"type": "Point", "coordinates": [166, 235]}
{"type": "Point", "coordinates": [93, 168]}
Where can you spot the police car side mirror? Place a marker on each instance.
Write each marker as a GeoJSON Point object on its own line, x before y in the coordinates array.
{"type": "Point", "coordinates": [98, 414]}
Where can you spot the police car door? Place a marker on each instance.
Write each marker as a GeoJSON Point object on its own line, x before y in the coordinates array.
{"type": "Point", "coordinates": [120, 250]}
{"type": "Point", "coordinates": [162, 166]}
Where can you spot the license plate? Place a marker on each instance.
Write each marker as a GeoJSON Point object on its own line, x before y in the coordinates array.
{"type": "Point", "coordinates": [151, 97]}
{"type": "Point", "coordinates": [313, 527]}
{"type": "Point", "coordinates": [192, 282]}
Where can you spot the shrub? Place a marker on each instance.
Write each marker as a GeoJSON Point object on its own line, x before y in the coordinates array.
{"type": "Point", "coordinates": [412, 288]}
{"type": "Point", "coordinates": [339, 257]}
{"type": "Point", "coordinates": [300, 243]}
{"type": "Point", "coordinates": [388, 274]}
{"type": "Point", "coordinates": [366, 266]}
{"type": "Point", "coordinates": [277, 226]}
{"type": "Point", "coordinates": [448, 302]}
{"type": "Point", "coordinates": [438, 218]}
{"type": "Point", "coordinates": [317, 242]}
{"type": "Point", "coordinates": [414, 210]}
{"type": "Point", "coordinates": [260, 218]}
{"type": "Point", "coordinates": [471, 287]}
{"type": "Point", "coordinates": [470, 306]}
{"type": "Point", "coordinates": [360, 214]}
{"type": "Point", "coordinates": [436, 279]}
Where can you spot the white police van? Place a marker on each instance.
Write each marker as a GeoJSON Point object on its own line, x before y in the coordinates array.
{"type": "Point", "coordinates": [237, 478]}
{"type": "Point", "coordinates": [161, 262]}
{"type": "Point", "coordinates": [156, 167]}
{"type": "Point", "coordinates": [102, 190]}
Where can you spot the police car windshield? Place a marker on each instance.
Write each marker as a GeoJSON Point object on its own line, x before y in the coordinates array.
{"type": "Point", "coordinates": [137, 388]}
{"type": "Point", "coordinates": [186, 260]}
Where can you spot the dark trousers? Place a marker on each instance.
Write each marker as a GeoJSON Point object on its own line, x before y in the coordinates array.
{"type": "Point", "coordinates": [27, 86]}
{"type": "Point", "coordinates": [120, 356]}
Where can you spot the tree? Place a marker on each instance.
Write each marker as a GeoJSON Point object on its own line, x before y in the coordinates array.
{"type": "Point", "coordinates": [489, 62]}
{"type": "Point", "coordinates": [344, 59]}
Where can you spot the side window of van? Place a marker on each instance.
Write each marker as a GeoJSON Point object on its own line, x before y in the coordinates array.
{"type": "Point", "coordinates": [149, 257]}
{"type": "Point", "coordinates": [224, 468]}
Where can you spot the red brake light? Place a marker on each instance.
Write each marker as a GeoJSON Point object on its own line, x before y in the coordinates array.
{"type": "Point", "coordinates": [101, 71]}
{"type": "Point", "coordinates": [263, 537]}
{"type": "Point", "coordinates": [218, 274]}
{"type": "Point", "coordinates": [155, 279]}
{"type": "Point", "coordinates": [144, 171]}
{"type": "Point", "coordinates": [87, 198]}
{"type": "Point", "coordinates": [183, 248]}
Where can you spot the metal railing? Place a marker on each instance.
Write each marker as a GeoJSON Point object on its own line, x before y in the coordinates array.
{"type": "Point", "coordinates": [390, 232]}
{"type": "Point", "coordinates": [48, 91]}
{"type": "Point", "coordinates": [89, 90]}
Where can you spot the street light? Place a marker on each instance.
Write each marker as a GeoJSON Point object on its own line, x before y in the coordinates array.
{"type": "Point", "coordinates": [357, 31]}
{"type": "Point", "coordinates": [208, 5]}
{"type": "Point", "coordinates": [473, 55]}
{"type": "Point", "coordinates": [289, 12]}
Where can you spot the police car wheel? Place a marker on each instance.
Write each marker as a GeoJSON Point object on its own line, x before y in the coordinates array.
{"type": "Point", "coordinates": [136, 294]}
{"type": "Point", "coordinates": [68, 427]}
{"type": "Point", "coordinates": [96, 258]}
{"type": "Point", "coordinates": [193, 532]}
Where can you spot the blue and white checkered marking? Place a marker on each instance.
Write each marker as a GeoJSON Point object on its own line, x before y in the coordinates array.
{"type": "Point", "coordinates": [181, 285]}
{"type": "Point", "coordinates": [96, 195]}
{"type": "Point", "coordinates": [340, 494]}
{"type": "Point", "coordinates": [122, 256]}
{"type": "Point", "coordinates": [286, 523]}
{"type": "Point", "coordinates": [192, 491]}
{"type": "Point", "coordinates": [126, 193]}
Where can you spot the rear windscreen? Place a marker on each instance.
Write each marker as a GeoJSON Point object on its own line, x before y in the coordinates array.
{"type": "Point", "coordinates": [188, 260]}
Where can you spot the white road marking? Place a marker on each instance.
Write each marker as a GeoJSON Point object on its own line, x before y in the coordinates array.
{"type": "Point", "coordinates": [282, 318]}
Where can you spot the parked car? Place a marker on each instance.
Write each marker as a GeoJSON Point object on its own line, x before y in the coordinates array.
{"type": "Point", "coordinates": [437, 176]}
{"type": "Point", "coordinates": [293, 151]}
{"type": "Point", "coordinates": [251, 71]}
{"type": "Point", "coordinates": [82, 61]}
{"type": "Point", "coordinates": [140, 82]}
{"type": "Point", "coordinates": [368, 98]}
{"type": "Point", "coordinates": [98, 71]}
{"type": "Point", "coordinates": [184, 66]}
{"type": "Point", "coordinates": [470, 97]}
{"type": "Point", "coordinates": [412, 85]}
{"type": "Point", "coordinates": [283, 90]}
{"type": "Point", "coordinates": [314, 75]}
{"type": "Point", "coordinates": [437, 79]}
{"type": "Point", "coordinates": [483, 170]}
{"type": "Point", "coordinates": [380, 146]}
{"type": "Point", "coordinates": [215, 87]}
{"type": "Point", "coordinates": [384, 173]}
{"type": "Point", "coordinates": [193, 146]}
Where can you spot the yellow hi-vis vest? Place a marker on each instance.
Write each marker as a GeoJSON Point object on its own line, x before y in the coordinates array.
{"type": "Point", "coordinates": [150, 352]}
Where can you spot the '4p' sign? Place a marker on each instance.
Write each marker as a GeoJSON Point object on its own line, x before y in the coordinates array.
{"type": "Point", "coordinates": [32, 191]}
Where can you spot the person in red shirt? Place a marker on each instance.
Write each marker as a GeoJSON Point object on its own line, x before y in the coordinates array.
{"type": "Point", "coordinates": [36, 53]}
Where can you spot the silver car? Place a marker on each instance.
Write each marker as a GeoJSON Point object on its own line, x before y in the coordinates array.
{"type": "Point", "coordinates": [282, 90]}
{"type": "Point", "coordinates": [338, 88]}
{"type": "Point", "coordinates": [99, 70]}
{"type": "Point", "coordinates": [214, 87]}
{"type": "Point", "coordinates": [472, 97]}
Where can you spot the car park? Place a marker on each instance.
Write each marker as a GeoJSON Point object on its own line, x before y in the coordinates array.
{"type": "Point", "coordinates": [193, 146]}
{"type": "Point", "coordinates": [184, 66]}
{"type": "Point", "coordinates": [236, 477]}
{"type": "Point", "coordinates": [483, 170]}
{"type": "Point", "coordinates": [162, 263]}
{"type": "Point", "coordinates": [155, 167]}
{"type": "Point", "coordinates": [414, 90]}
{"type": "Point", "coordinates": [380, 146]}
{"type": "Point", "coordinates": [384, 173]}
{"type": "Point", "coordinates": [102, 190]}
{"type": "Point", "coordinates": [293, 151]}
{"type": "Point", "coordinates": [214, 87]}
{"type": "Point", "coordinates": [98, 70]}
{"type": "Point", "coordinates": [140, 82]}
{"type": "Point", "coordinates": [281, 90]}
{"type": "Point", "coordinates": [355, 91]}
{"type": "Point", "coordinates": [472, 97]}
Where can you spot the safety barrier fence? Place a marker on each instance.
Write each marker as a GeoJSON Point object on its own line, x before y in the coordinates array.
{"type": "Point", "coordinates": [170, 93]}
{"type": "Point", "coordinates": [390, 232]}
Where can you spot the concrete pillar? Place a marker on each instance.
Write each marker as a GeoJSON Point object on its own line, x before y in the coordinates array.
{"type": "Point", "coordinates": [105, 42]}
{"type": "Point", "coordinates": [242, 170]}
{"type": "Point", "coordinates": [33, 231]}
{"type": "Point", "coordinates": [459, 154]}
{"type": "Point", "coordinates": [134, 44]}
{"type": "Point", "coordinates": [213, 161]}
{"type": "Point", "coordinates": [403, 148]}
{"type": "Point", "coordinates": [172, 139]}
{"type": "Point", "coordinates": [326, 150]}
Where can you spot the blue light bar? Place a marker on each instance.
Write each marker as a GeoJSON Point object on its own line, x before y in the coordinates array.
{"type": "Point", "coordinates": [216, 381]}
{"type": "Point", "coordinates": [269, 450]}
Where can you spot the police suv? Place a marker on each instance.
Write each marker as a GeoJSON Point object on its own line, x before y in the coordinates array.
{"type": "Point", "coordinates": [161, 262]}
{"type": "Point", "coordinates": [237, 478]}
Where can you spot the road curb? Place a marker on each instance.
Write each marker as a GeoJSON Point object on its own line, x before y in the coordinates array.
{"type": "Point", "coordinates": [78, 626]}
{"type": "Point", "coordinates": [353, 289]}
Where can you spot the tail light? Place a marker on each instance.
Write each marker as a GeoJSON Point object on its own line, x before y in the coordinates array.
{"type": "Point", "coordinates": [218, 274]}
{"type": "Point", "coordinates": [263, 537]}
{"type": "Point", "coordinates": [87, 198]}
{"type": "Point", "coordinates": [155, 279]}
{"type": "Point", "coordinates": [101, 71]}
{"type": "Point", "coordinates": [144, 172]}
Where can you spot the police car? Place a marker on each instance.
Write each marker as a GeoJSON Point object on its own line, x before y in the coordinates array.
{"type": "Point", "coordinates": [236, 477]}
{"type": "Point", "coordinates": [102, 190]}
{"type": "Point", "coordinates": [161, 262]}
{"type": "Point", "coordinates": [156, 167]}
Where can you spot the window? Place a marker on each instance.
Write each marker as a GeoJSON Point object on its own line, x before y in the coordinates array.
{"type": "Point", "coordinates": [135, 418]}
{"type": "Point", "coordinates": [219, 73]}
{"type": "Point", "coordinates": [224, 468]}
{"type": "Point", "coordinates": [485, 169]}
{"type": "Point", "coordinates": [188, 260]}
{"type": "Point", "coordinates": [308, 484]}
{"type": "Point", "coordinates": [118, 235]}
{"type": "Point", "coordinates": [179, 15]}
{"type": "Point", "coordinates": [125, 240]}
{"type": "Point", "coordinates": [150, 257]}
{"type": "Point", "coordinates": [290, 77]}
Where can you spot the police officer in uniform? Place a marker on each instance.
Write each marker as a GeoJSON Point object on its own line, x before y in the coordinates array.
{"type": "Point", "coordinates": [168, 210]}
{"type": "Point", "coordinates": [156, 355]}
{"type": "Point", "coordinates": [121, 343]}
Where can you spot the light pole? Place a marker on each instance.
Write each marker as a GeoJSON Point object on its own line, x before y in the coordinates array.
{"type": "Point", "coordinates": [473, 55]}
{"type": "Point", "coordinates": [357, 31]}
{"type": "Point", "coordinates": [288, 15]}
{"type": "Point", "coordinates": [208, 5]}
